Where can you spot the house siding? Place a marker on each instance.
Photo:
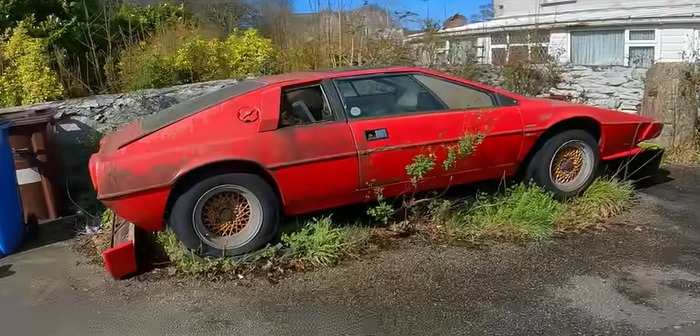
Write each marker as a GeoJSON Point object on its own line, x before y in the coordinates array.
{"type": "Point", "coordinates": [538, 7]}
{"type": "Point", "coordinates": [674, 44]}
{"type": "Point", "coordinates": [694, 47]}
{"type": "Point", "coordinates": [675, 24]}
{"type": "Point", "coordinates": [670, 44]}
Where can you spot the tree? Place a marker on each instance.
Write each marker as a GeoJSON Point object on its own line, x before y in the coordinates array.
{"type": "Point", "coordinates": [485, 13]}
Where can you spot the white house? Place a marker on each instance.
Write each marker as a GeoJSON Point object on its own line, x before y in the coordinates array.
{"type": "Point", "coordinates": [585, 32]}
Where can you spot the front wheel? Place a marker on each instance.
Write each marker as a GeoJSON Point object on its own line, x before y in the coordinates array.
{"type": "Point", "coordinates": [226, 215]}
{"type": "Point", "coordinates": [566, 164]}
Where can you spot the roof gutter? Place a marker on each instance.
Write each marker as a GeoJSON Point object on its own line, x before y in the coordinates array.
{"type": "Point", "coordinates": [690, 18]}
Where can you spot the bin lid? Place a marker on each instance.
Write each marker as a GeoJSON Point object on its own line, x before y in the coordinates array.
{"type": "Point", "coordinates": [5, 124]}
{"type": "Point", "coordinates": [28, 115]}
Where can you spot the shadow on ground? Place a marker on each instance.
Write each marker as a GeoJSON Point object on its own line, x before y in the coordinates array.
{"type": "Point", "coordinates": [51, 232]}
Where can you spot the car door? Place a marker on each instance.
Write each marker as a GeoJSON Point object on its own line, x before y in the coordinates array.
{"type": "Point", "coordinates": [396, 117]}
{"type": "Point", "coordinates": [312, 153]}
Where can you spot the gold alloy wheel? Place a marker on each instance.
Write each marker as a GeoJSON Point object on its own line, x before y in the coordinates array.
{"type": "Point", "coordinates": [227, 217]}
{"type": "Point", "coordinates": [567, 164]}
{"type": "Point", "coordinates": [226, 213]}
{"type": "Point", "coordinates": [572, 165]}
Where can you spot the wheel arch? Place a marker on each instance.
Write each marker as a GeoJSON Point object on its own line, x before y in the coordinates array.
{"type": "Point", "coordinates": [584, 123]}
{"type": "Point", "coordinates": [194, 175]}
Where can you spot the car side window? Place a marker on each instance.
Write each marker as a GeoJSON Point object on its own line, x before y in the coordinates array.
{"type": "Point", "coordinates": [457, 96]}
{"type": "Point", "coordinates": [303, 106]}
{"type": "Point", "coordinates": [386, 95]}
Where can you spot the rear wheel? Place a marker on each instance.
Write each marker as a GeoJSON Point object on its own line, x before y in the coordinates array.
{"type": "Point", "coordinates": [226, 215]}
{"type": "Point", "coordinates": [566, 164]}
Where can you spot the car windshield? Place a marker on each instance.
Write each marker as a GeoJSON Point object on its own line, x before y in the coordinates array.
{"type": "Point", "coordinates": [195, 105]}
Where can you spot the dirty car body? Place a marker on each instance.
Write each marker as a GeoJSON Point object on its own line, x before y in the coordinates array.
{"type": "Point", "coordinates": [320, 140]}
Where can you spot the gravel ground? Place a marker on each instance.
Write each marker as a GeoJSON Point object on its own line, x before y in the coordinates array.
{"type": "Point", "coordinates": [640, 278]}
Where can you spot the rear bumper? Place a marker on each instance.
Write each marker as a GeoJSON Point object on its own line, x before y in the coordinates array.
{"type": "Point", "coordinates": [120, 260]}
{"type": "Point", "coordinates": [145, 209]}
{"type": "Point", "coordinates": [640, 164]}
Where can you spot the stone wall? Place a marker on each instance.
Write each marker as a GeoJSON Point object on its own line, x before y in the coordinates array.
{"type": "Point", "coordinates": [613, 87]}
{"type": "Point", "coordinates": [618, 88]}
{"type": "Point", "coordinates": [104, 113]}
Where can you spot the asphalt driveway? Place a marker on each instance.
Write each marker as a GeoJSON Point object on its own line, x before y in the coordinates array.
{"type": "Point", "coordinates": [641, 278]}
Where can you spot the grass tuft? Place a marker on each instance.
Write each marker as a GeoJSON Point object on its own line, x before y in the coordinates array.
{"type": "Point", "coordinates": [321, 243]}
{"type": "Point", "coordinates": [605, 198]}
{"type": "Point", "coordinates": [527, 211]}
{"type": "Point", "coordinates": [521, 212]}
{"type": "Point", "coordinates": [187, 263]}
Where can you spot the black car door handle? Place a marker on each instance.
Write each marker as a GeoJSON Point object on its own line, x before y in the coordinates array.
{"type": "Point", "coordinates": [376, 134]}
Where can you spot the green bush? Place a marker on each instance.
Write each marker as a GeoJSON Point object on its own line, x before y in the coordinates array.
{"type": "Point", "coordinates": [179, 55]}
{"type": "Point", "coordinates": [142, 21]}
{"type": "Point", "coordinates": [202, 59]}
{"type": "Point", "coordinates": [27, 76]}
{"type": "Point", "coordinates": [530, 79]}
{"type": "Point", "coordinates": [248, 54]}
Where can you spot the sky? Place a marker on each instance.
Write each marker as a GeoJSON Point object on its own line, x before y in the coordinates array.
{"type": "Point", "coordinates": [435, 9]}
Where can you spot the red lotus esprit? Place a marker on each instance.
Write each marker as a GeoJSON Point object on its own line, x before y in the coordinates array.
{"type": "Point", "coordinates": [221, 168]}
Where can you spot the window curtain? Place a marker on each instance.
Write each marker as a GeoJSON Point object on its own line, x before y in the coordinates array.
{"type": "Point", "coordinates": [641, 56]}
{"type": "Point", "coordinates": [598, 47]}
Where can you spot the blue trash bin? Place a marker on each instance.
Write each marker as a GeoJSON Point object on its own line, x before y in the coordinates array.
{"type": "Point", "coordinates": [11, 217]}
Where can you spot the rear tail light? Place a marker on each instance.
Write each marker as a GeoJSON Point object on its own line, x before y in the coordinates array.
{"type": "Point", "coordinates": [93, 167]}
{"type": "Point", "coordinates": [649, 131]}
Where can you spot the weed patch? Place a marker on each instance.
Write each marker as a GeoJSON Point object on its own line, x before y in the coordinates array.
{"type": "Point", "coordinates": [602, 200]}
{"type": "Point", "coordinates": [521, 212]}
{"type": "Point", "coordinates": [318, 242]}
{"type": "Point", "coordinates": [321, 243]}
{"type": "Point", "coordinates": [529, 212]}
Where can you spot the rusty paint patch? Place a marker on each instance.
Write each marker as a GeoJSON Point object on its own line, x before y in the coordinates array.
{"type": "Point", "coordinates": [248, 114]}
{"type": "Point", "coordinates": [309, 161]}
{"type": "Point", "coordinates": [381, 149]}
{"type": "Point", "coordinates": [544, 116]}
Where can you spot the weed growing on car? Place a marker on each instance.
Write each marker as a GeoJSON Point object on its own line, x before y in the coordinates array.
{"type": "Point", "coordinates": [417, 170]}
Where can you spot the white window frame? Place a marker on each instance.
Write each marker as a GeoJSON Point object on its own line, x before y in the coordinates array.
{"type": "Point", "coordinates": [556, 2]}
{"type": "Point", "coordinates": [655, 43]}
{"type": "Point", "coordinates": [448, 46]}
{"type": "Point", "coordinates": [508, 44]}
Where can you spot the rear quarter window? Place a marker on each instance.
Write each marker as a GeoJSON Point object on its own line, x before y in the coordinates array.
{"type": "Point", "coordinates": [457, 96]}
{"type": "Point", "coordinates": [193, 106]}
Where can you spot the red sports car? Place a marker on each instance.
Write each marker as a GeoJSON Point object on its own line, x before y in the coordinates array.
{"type": "Point", "coordinates": [221, 168]}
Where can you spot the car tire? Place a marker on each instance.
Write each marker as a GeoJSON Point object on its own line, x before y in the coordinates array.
{"type": "Point", "coordinates": [566, 164]}
{"type": "Point", "coordinates": [226, 215]}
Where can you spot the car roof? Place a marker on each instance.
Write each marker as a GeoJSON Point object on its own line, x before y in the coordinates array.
{"type": "Point", "coordinates": [332, 73]}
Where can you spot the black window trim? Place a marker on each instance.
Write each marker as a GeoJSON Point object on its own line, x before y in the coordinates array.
{"type": "Point", "coordinates": [499, 100]}
{"type": "Point", "coordinates": [328, 99]}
